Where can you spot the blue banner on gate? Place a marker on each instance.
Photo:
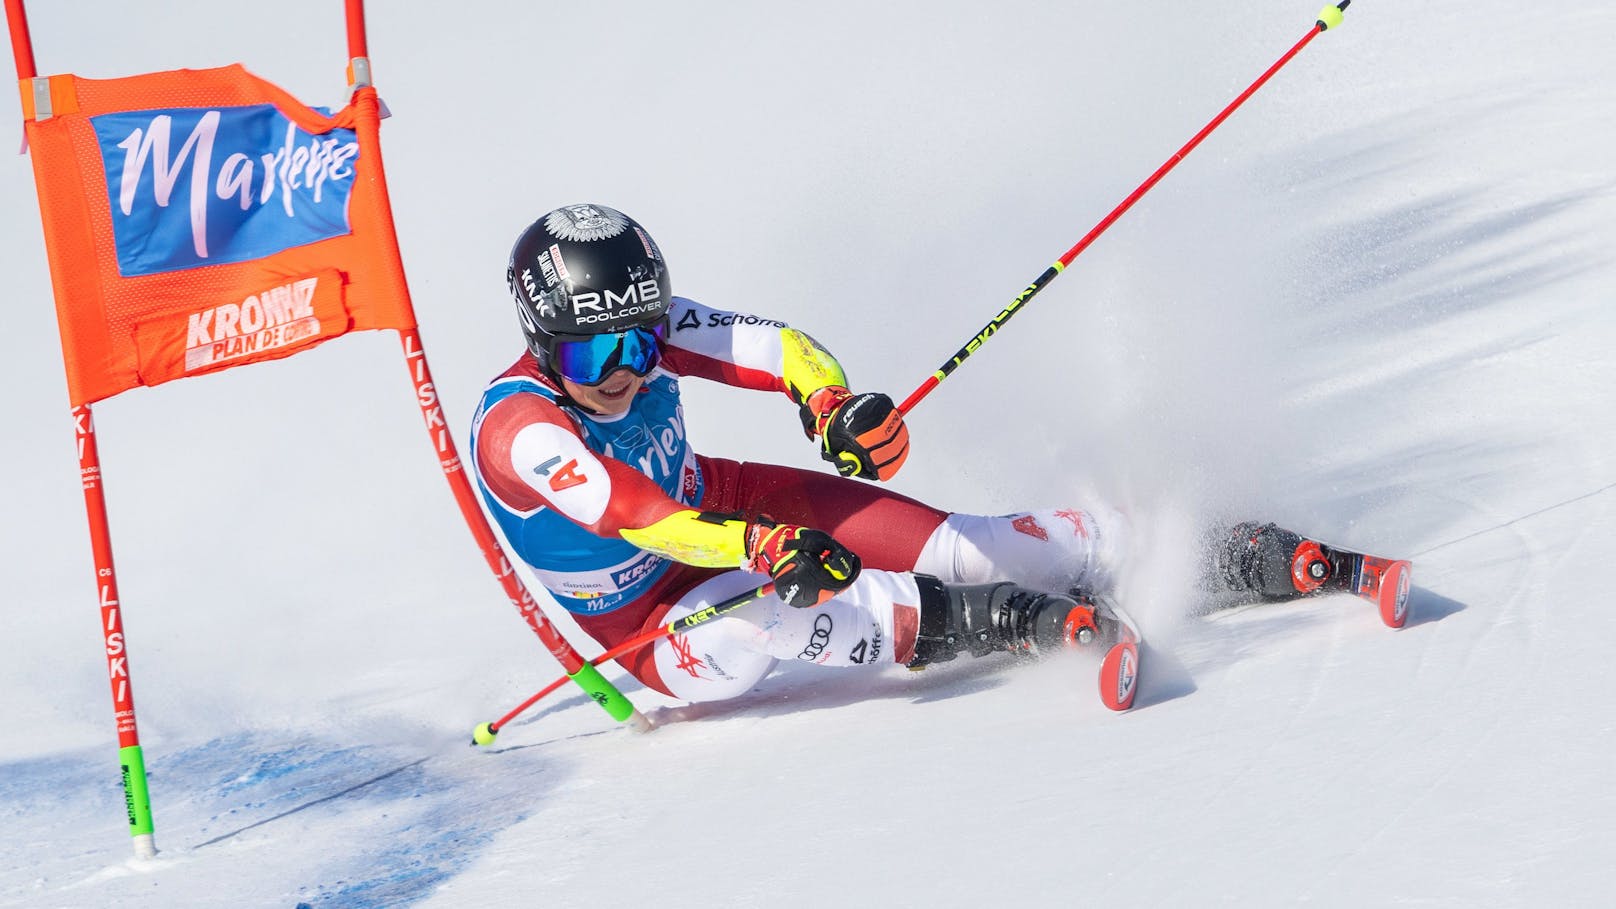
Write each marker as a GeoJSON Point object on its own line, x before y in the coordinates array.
{"type": "Point", "coordinates": [206, 186]}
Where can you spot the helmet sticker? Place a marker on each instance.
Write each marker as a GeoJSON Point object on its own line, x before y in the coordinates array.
{"type": "Point", "coordinates": [585, 222]}
{"type": "Point", "coordinates": [545, 303]}
{"type": "Point", "coordinates": [541, 298]}
{"type": "Point", "coordinates": [650, 247]}
{"type": "Point", "coordinates": [530, 325]}
{"type": "Point", "coordinates": [548, 270]}
{"type": "Point", "coordinates": [560, 263]}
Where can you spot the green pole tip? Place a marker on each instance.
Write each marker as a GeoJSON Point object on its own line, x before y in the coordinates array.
{"type": "Point", "coordinates": [483, 734]}
{"type": "Point", "coordinates": [1330, 17]}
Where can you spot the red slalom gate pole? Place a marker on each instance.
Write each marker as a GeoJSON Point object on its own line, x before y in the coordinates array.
{"type": "Point", "coordinates": [1328, 18]}
{"type": "Point", "coordinates": [131, 757]}
{"type": "Point", "coordinates": [355, 14]}
{"type": "Point", "coordinates": [358, 50]}
{"type": "Point", "coordinates": [578, 669]}
{"type": "Point", "coordinates": [22, 47]}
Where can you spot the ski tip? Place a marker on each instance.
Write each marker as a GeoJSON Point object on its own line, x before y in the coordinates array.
{"type": "Point", "coordinates": [1393, 594]}
{"type": "Point", "coordinates": [1119, 675]}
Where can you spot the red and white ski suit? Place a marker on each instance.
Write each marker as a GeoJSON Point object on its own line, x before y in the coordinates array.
{"type": "Point", "coordinates": [599, 507]}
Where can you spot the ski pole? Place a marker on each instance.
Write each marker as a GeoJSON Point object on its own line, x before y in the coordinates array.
{"type": "Point", "coordinates": [1328, 18]}
{"type": "Point", "coordinates": [484, 733]}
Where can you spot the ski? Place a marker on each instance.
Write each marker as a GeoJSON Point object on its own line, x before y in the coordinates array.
{"type": "Point", "coordinates": [1278, 564]}
{"type": "Point", "coordinates": [1320, 568]}
{"type": "Point", "coordinates": [1384, 582]}
{"type": "Point", "coordinates": [1119, 669]}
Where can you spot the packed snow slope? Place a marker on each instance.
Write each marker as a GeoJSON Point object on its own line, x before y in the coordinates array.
{"type": "Point", "coordinates": [1374, 306]}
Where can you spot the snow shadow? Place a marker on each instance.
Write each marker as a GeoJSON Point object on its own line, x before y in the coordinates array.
{"type": "Point", "coordinates": [1162, 678]}
{"type": "Point", "coordinates": [1430, 259]}
{"type": "Point", "coordinates": [792, 689]}
{"type": "Point", "coordinates": [304, 806]}
{"type": "Point", "coordinates": [286, 816]}
{"type": "Point", "coordinates": [1427, 606]}
{"type": "Point", "coordinates": [391, 825]}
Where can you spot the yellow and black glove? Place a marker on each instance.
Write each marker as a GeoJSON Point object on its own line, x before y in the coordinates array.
{"type": "Point", "coordinates": [808, 566]}
{"type": "Point", "coordinates": [863, 435]}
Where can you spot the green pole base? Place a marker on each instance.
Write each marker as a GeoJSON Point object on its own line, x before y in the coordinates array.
{"type": "Point", "coordinates": [137, 800]}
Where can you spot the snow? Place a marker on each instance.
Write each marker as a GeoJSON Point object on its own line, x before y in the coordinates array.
{"type": "Point", "coordinates": [1373, 306]}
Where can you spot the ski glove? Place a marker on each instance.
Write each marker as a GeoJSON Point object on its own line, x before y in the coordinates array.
{"type": "Point", "coordinates": [808, 566]}
{"type": "Point", "coordinates": [863, 435]}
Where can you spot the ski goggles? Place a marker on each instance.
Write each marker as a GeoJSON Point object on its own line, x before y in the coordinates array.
{"type": "Point", "coordinates": [589, 359]}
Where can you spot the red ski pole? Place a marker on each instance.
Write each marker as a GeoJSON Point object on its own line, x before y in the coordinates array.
{"type": "Point", "coordinates": [485, 732]}
{"type": "Point", "coordinates": [1329, 17]}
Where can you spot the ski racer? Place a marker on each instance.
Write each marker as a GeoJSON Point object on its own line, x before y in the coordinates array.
{"type": "Point", "coordinates": [581, 454]}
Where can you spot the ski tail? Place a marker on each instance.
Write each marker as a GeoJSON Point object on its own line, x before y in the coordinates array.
{"type": "Point", "coordinates": [1120, 668]}
{"type": "Point", "coordinates": [1384, 582]}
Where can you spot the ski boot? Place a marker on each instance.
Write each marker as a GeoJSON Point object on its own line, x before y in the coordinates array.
{"type": "Point", "coordinates": [985, 618]}
{"type": "Point", "coordinates": [1275, 563]}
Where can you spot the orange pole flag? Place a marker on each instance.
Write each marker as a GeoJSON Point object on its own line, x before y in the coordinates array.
{"type": "Point", "coordinates": [202, 219]}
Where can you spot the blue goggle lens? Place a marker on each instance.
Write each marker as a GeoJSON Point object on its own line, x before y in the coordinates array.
{"type": "Point", "coordinates": [588, 361]}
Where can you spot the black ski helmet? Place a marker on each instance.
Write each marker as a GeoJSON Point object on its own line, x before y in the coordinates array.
{"type": "Point", "coordinates": [586, 270]}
